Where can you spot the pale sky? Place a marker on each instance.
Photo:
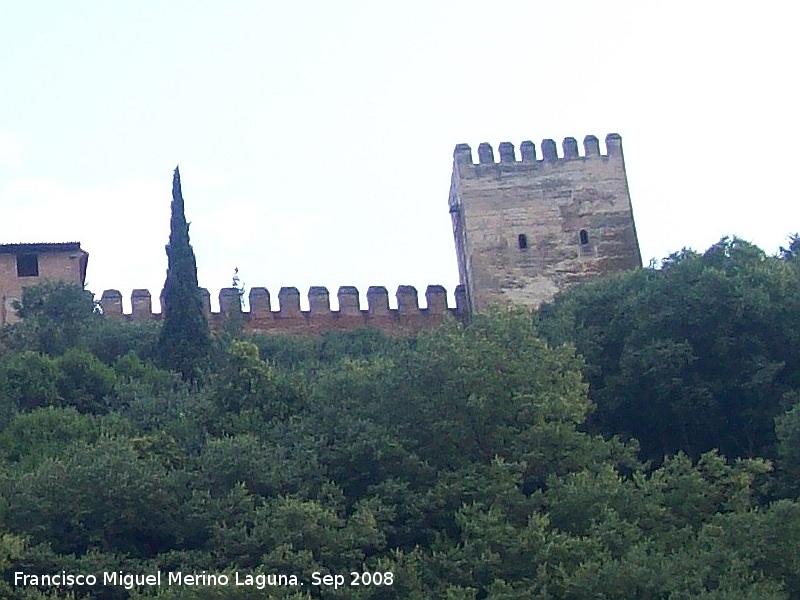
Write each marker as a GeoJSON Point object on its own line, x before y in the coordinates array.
{"type": "Point", "coordinates": [315, 138]}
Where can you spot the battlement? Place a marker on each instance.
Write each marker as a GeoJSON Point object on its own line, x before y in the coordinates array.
{"type": "Point", "coordinates": [408, 318]}
{"type": "Point", "coordinates": [528, 155]}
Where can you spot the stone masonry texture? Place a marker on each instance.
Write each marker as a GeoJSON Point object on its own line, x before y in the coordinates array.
{"type": "Point", "coordinates": [526, 230]}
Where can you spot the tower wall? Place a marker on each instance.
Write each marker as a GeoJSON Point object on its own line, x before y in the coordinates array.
{"type": "Point", "coordinates": [528, 228]}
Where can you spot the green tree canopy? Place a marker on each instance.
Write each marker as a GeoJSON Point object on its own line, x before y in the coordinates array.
{"type": "Point", "coordinates": [55, 316]}
{"type": "Point", "coordinates": [694, 356]}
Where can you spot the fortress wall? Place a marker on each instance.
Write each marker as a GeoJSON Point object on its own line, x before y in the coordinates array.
{"type": "Point", "coordinates": [407, 319]}
{"type": "Point", "coordinates": [529, 227]}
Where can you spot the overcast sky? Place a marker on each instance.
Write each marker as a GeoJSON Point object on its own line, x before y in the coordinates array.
{"type": "Point", "coordinates": [315, 138]}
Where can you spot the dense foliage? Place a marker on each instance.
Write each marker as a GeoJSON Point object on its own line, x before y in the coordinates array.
{"type": "Point", "coordinates": [184, 341]}
{"type": "Point", "coordinates": [471, 462]}
{"type": "Point", "coordinates": [701, 354]}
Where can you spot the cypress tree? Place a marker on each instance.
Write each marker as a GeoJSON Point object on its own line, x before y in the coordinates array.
{"type": "Point", "coordinates": [185, 340]}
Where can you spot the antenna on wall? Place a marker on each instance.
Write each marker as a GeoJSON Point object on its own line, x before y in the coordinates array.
{"type": "Point", "coordinates": [239, 286]}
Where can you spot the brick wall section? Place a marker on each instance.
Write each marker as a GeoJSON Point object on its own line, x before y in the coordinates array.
{"type": "Point", "coordinates": [550, 201]}
{"type": "Point", "coordinates": [56, 262]}
{"type": "Point", "coordinates": [407, 319]}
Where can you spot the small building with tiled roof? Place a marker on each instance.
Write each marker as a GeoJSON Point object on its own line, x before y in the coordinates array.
{"type": "Point", "coordinates": [22, 265]}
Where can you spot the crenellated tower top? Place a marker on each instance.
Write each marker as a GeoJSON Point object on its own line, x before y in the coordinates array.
{"type": "Point", "coordinates": [528, 156]}
{"type": "Point", "coordinates": [526, 228]}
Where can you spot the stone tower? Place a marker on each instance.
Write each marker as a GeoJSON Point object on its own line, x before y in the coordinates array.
{"type": "Point", "coordinates": [528, 229]}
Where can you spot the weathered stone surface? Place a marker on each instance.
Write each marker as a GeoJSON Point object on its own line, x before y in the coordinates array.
{"type": "Point", "coordinates": [526, 230]}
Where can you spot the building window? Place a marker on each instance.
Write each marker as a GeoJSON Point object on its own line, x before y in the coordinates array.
{"type": "Point", "coordinates": [584, 235]}
{"type": "Point", "coordinates": [522, 240]}
{"type": "Point", "coordinates": [27, 265]}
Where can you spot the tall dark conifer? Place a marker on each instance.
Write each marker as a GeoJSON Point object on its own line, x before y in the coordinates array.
{"type": "Point", "coordinates": [185, 339]}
